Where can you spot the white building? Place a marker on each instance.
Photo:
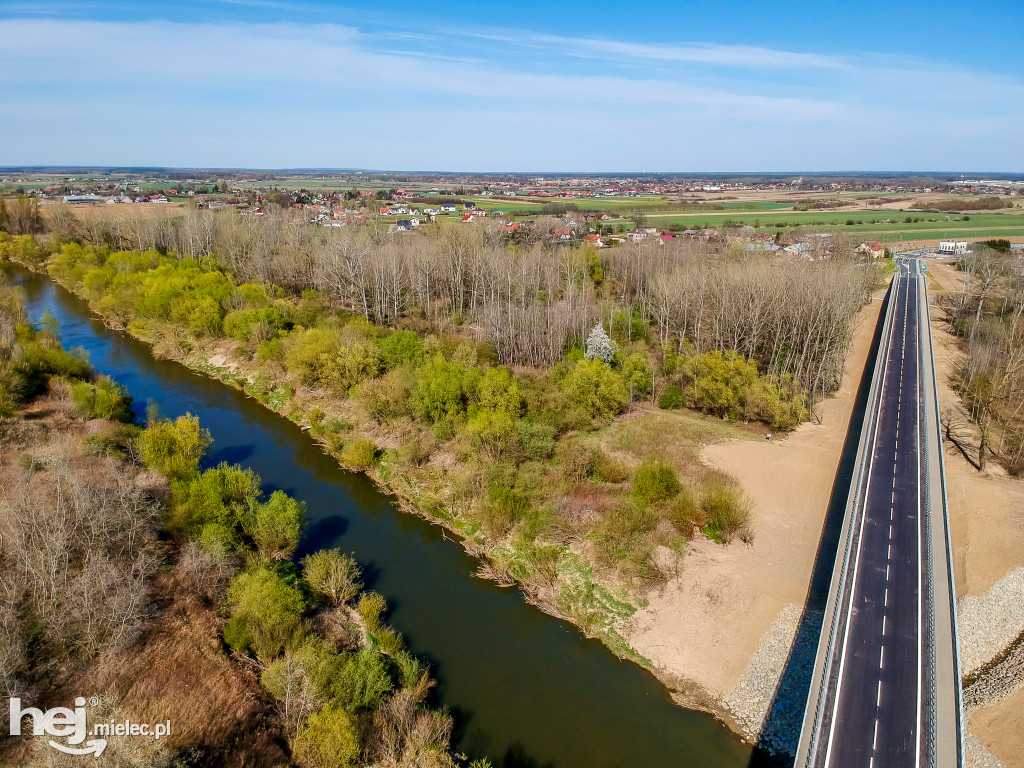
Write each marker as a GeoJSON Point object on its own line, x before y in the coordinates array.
{"type": "Point", "coordinates": [952, 247]}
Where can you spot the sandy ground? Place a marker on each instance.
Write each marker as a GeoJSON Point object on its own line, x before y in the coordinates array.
{"type": "Point", "coordinates": [702, 629]}
{"type": "Point", "coordinates": [987, 521]}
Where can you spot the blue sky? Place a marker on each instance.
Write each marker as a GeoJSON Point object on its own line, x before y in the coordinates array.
{"type": "Point", "coordinates": [475, 86]}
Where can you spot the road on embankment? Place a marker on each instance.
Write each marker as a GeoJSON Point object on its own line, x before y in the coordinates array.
{"type": "Point", "coordinates": [877, 706]}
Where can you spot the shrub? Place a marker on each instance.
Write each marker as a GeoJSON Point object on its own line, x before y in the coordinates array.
{"type": "Point", "coordinates": [332, 573]}
{"type": "Point", "coordinates": [577, 461]}
{"type": "Point", "coordinates": [361, 681]}
{"type": "Point", "coordinates": [174, 448]}
{"type": "Point", "coordinates": [685, 512]}
{"type": "Point", "coordinates": [595, 388]}
{"type": "Point", "coordinates": [671, 397]}
{"type": "Point", "coordinates": [401, 347]}
{"type": "Point", "coordinates": [501, 510]}
{"type": "Point", "coordinates": [386, 398]}
{"type": "Point", "coordinates": [415, 450]}
{"type": "Point", "coordinates": [102, 399]}
{"type": "Point", "coordinates": [728, 512]}
{"type": "Point", "coordinates": [655, 481]}
{"type": "Point", "coordinates": [360, 454]}
{"type": "Point", "coordinates": [266, 612]}
{"type": "Point", "coordinates": [388, 641]}
{"type": "Point", "coordinates": [275, 526]}
{"type": "Point", "coordinates": [608, 470]}
{"type": "Point", "coordinates": [537, 440]}
{"type": "Point", "coordinates": [328, 739]}
{"type": "Point", "coordinates": [222, 497]}
{"type": "Point", "coordinates": [371, 607]}
{"type": "Point", "coordinates": [311, 355]}
{"type": "Point", "coordinates": [491, 433]}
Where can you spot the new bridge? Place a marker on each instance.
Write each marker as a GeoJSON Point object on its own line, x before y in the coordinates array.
{"type": "Point", "coordinates": [885, 692]}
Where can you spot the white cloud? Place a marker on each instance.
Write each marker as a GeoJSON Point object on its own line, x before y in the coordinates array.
{"type": "Point", "coordinates": [225, 94]}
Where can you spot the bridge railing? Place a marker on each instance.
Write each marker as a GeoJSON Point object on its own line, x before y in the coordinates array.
{"type": "Point", "coordinates": [933, 424]}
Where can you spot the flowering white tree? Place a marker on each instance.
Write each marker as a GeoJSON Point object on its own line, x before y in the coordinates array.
{"type": "Point", "coordinates": [600, 346]}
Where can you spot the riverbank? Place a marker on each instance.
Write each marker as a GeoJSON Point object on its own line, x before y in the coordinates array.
{"type": "Point", "coordinates": [626, 439]}
{"type": "Point", "coordinates": [524, 687]}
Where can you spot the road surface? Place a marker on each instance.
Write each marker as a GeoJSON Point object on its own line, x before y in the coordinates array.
{"type": "Point", "coordinates": [878, 703]}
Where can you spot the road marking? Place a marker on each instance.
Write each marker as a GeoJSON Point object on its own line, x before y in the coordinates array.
{"type": "Point", "coordinates": [889, 555]}
{"type": "Point", "coordinates": [874, 741]}
{"type": "Point", "coordinates": [890, 532]}
{"type": "Point", "coordinates": [881, 659]}
{"type": "Point", "coordinates": [837, 696]}
{"type": "Point", "coordinates": [893, 499]}
{"type": "Point", "coordinates": [884, 620]}
{"type": "Point", "coordinates": [878, 701]}
{"type": "Point", "coordinates": [886, 597]}
{"type": "Point", "coordinates": [887, 573]}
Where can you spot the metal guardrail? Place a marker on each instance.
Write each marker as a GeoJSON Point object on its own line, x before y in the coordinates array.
{"type": "Point", "coordinates": [851, 534]}
{"type": "Point", "coordinates": [951, 578]}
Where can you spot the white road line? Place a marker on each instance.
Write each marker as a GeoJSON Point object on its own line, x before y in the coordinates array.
{"type": "Point", "coordinates": [885, 618]}
{"type": "Point", "coordinates": [878, 701]}
{"type": "Point", "coordinates": [887, 573]}
{"type": "Point", "coordinates": [874, 741]}
{"type": "Point", "coordinates": [889, 554]}
{"type": "Point", "coordinates": [856, 568]}
{"type": "Point", "coordinates": [881, 658]}
{"type": "Point", "coordinates": [886, 597]}
{"type": "Point", "coordinates": [890, 532]}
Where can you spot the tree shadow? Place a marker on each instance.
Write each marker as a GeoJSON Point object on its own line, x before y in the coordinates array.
{"type": "Point", "coordinates": [776, 745]}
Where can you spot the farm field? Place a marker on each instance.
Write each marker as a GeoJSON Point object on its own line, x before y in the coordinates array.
{"type": "Point", "coordinates": [824, 218]}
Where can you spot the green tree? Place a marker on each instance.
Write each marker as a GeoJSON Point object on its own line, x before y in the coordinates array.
{"type": "Point", "coordinates": [266, 612]}
{"type": "Point", "coordinates": [636, 375]}
{"type": "Point", "coordinates": [174, 448]}
{"type": "Point", "coordinates": [596, 388]}
{"type": "Point", "coordinates": [333, 574]}
{"type": "Point", "coordinates": [438, 394]}
{"type": "Point", "coordinates": [328, 739]}
{"type": "Point", "coordinates": [275, 525]}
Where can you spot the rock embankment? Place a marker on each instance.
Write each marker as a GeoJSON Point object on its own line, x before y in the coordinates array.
{"type": "Point", "coordinates": [767, 704]}
{"type": "Point", "coordinates": [989, 624]}
{"type": "Point", "coordinates": [976, 756]}
{"type": "Point", "coordinates": [1003, 677]}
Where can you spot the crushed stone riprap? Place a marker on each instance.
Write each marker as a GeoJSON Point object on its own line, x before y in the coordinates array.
{"type": "Point", "coordinates": [989, 624]}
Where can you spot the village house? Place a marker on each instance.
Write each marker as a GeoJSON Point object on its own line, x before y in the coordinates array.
{"type": "Point", "coordinates": [873, 249]}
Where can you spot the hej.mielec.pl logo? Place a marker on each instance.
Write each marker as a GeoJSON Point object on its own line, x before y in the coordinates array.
{"type": "Point", "coordinates": [72, 726]}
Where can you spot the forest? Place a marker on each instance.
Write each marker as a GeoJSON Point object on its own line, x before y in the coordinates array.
{"type": "Point", "coordinates": [509, 390]}
{"type": "Point", "coordinates": [987, 314]}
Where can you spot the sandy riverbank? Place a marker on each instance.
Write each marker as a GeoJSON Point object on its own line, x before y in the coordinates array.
{"type": "Point", "coordinates": [727, 605]}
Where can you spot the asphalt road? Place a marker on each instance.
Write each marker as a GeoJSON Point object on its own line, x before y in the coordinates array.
{"type": "Point", "coordinates": [876, 719]}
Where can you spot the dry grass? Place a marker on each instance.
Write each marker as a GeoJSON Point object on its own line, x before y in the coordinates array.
{"type": "Point", "coordinates": [180, 672]}
{"type": "Point", "coordinates": [177, 670]}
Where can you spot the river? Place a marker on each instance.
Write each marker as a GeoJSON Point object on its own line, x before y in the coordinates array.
{"type": "Point", "coordinates": [526, 689]}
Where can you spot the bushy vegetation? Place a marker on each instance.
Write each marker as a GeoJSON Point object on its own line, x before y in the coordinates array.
{"type": "Point", "coordinates": [467, 375]}
{"type": "Point", "coordinates": [348, 696]}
